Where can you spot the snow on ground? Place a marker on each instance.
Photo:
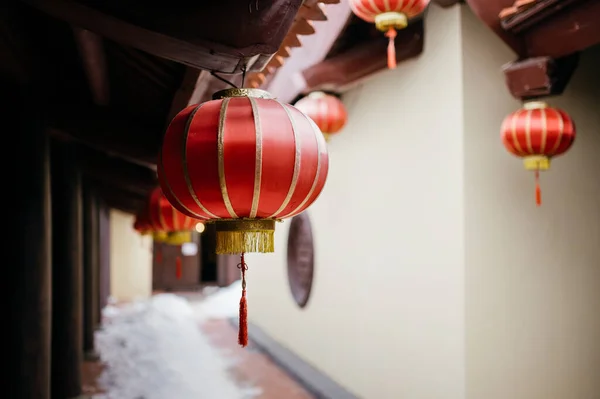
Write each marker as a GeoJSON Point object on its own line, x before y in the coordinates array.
{"type": "Point", "coordinates": [222, 304]}
{"type": "Point", "coordinates": [154, 349]}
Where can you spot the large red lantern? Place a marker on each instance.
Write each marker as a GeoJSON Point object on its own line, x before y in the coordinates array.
{"type": "Point", "coordinates": [244, 161]}
{"type": "Point", "coordinates": [389, 15]}
{"type": "Point", "coordinates": [538, 133]}
{"type": "Point", "coordinates": [327, 111]}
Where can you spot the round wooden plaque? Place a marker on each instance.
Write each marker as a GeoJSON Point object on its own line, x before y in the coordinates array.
{"type": "Point", "coordinates": [300, 258]}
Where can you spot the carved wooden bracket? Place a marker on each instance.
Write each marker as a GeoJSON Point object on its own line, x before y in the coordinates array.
{"type": "Point", "coordinates": [540, 76]}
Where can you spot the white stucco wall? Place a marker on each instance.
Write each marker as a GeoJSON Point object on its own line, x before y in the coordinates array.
{"type": "Point", "coordinates": [386, 315]}
{"type": "Point", "coordinates": [130, 259]}
{"type": "Point", "coordinates": [436, 276]}
{"type": "Point", "coordinates": [532, 275]}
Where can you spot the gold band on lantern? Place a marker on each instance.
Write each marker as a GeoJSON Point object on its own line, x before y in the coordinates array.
{"type": "Point", "coordinates": [391, 19]}
{"type": "Point", "coordinates": [178, 238]}
{"type": "Point", "coordinates": [159, 236]}
{"type": "Point", "coordinates": [235, 236]}
{"type": "Point", "coordinates": [242, 92]}
{"type": "Point", "coordinates": [535, 105]}
{"type": "Point", "coordinates": [536, 162]}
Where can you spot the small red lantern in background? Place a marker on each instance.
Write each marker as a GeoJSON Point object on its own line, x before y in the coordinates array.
{"type": "Point", "coordinates": [327, 111]}
{"type": "Point", "coordinates": [166, 219]}
{"type": "Point", "coordinates": [244, 161]}
{"type": "Point", "coordinates": [537, 133]}
{"type": "Point", "coordinates": [389, 15]}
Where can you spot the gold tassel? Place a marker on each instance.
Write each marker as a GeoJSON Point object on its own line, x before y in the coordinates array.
{"type": "Point", "coordinates": [239, 236]}
{"type": "Point", "coordinates": [235, 242]}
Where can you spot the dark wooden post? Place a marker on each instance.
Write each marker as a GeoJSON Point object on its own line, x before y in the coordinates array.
{"type": "Point", "coordinates": [104, 257]}
{"type": "Point", "coordinates": [28, 255]}
{"type": "Point", "coordinates": [91, 269]}
{"type": "Point", "coordinates": [67, 348]}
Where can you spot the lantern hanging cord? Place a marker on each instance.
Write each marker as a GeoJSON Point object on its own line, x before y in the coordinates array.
{"type": "Point", "coordinates": [243, 326]}
{"type": "Point", "coordinates": [244, 75]}
{"type": "Point", "coordinates": [224, 80]}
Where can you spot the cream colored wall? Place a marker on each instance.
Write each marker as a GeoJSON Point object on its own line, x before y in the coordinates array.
{"type": "Point", "coordinates": [532, 275]}
{"type": "Point", "coordinates": [386, 315]}
{"type": "Point", "coordinates": [130, 259]}
{"type": "Point", "coordinates": [436, 276]}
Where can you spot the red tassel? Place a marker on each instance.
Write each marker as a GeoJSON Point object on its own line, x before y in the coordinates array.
{"type": "Point", "coordinates": [159, 255]}
{"type": "Point", "coordinates": [391, 50]}
{"type": "Point", "coordinates": [243, 327]}
{"type": "Point", "coordinates": [178, 268]}
{"type": "Point", "coordinates": [538, 189]}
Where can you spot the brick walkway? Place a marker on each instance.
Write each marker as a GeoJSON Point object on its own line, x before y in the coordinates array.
{"type": "Point", "coordinates": [253, 367]}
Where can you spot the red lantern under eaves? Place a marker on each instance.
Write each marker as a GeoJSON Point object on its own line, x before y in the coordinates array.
{"type": "Point", "coordinates": [389, 15]}
{"type": "Point", "coordinates": [244, 161]}
{"type": "Point", "coordinates": [327, 111]}
{"type": "Point", "coordinates": [537, 133]}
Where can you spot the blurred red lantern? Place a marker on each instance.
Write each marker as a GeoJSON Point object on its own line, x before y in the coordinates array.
{"type": "Point", "coordinates": [389, 15]}
{"type": "Point", "coordinates": [170, 225]}
{"type": "Point", "coordinates": [327, 111]}
{"type": "Point", "coordinates": [243, 160]}
{"type": "Point", "coordinates": [142, 224]}
{"type": "Point", "coordinates": [536, 133]}
{"type": "Point", "coordinates": [164, 217]}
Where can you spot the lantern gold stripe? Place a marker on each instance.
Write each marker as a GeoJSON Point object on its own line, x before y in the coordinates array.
{"type": "Point", "coordinates": [386, 4]}
{"type": "Point", "coordinates": [513, 129]}
{"type": "Point", "coordinates": [184, 165]}
{"type": "Point", "coordinates": [221, 159]}
{"type": "Point", "coordinates": [161, 217]}
{"type": "Point", "coordinates": [375, 7]}
{"type": "Point", "coordinates": [528, 131]}
{"type": "Point", "coordinates": [168, 187]}
{"type": "Point", "coordinates": [361, 9]}
{"type": "Point", "coordinates": [258, 163]}
{"type": "Point", "coordinates": [175, 221]}
{"type": "Point", "coordinates": [544, 131]}
{"type": "Point", "coordinates": [297, 157]}
{"type": "Point", "coordinates": [561, 129]}
{"type": "Point", "coordinates": [317, 133]}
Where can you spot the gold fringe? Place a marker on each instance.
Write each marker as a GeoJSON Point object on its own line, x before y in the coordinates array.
{"type": "Point", "coordinates": [236, 242]}
{"type": "Point", "coordinates": [159, 236]}
{"type": "Point", "coordinates": [178, 238]}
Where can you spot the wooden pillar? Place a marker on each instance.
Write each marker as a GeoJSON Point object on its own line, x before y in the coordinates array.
{"type": "Point", "coordinates": [91, 269]}
{"type": "Point", "coordinates": [28, 281]}
{"type": "Point", "coordinates": [67, 348]}
{"type": "Point", "coordinates": [104, 255]}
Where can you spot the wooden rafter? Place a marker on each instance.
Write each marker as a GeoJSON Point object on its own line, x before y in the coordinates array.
{"type": "Point", "coordinates": [346, 69]}
{"type": "Point", "coordinates": [94, 63]}
{"type": "Point", "coordinates": [155, 43]}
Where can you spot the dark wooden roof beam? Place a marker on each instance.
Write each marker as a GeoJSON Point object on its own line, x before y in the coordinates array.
{"type": "Point", "coordinates": [106, 131]}
{"type": "Point", "coordinates": [340, 72]}
{"type": "Point", "coordinates": [94, 64]}
{"type": "Point", "coordinates": [155, 43]}
{"type": "Point", "coordinates": [116, 171]}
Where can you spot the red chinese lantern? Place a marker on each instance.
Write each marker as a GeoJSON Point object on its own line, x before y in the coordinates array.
{"type": "Point", "coordinates": [389, 15]}
{"type": "Point", "coordinates": [536, 133]}
{"type": "Point", "coordinates": [244, 161]}
{"type": "Point", "coordinates": [327, 111]}
{"type": "Point", "coordinates": [172, 226]}
{"type": "Point", "coordinates": [141, 223]}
